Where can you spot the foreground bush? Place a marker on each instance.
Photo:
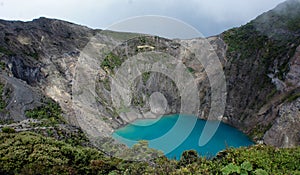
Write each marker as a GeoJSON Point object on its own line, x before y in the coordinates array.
{"type": "Point", "coordinates": [31, 153]}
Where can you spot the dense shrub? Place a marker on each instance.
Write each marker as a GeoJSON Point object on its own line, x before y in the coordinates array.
{"type": "Point", "coordinates": [50, 112]}
{"type": "Point", "coordinates": [8, 130]}
{"type": "Point", "coordinates": [31, 153]}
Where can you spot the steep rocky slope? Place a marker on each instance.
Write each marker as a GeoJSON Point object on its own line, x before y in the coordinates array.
{"type": "Point", "coordinates": [36, 54]}
{"type": "Point", "coordinates": [263, 75]}
{"type": "Point", "coordinates": [261, 61]}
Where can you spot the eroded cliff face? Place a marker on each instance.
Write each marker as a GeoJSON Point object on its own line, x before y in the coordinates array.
{"type": "Point", "coordinates": [41, 55]}
{"type": "Point", "coordinates": [261, 66]}
{"type": "Point", "coordinates": [285, 129]}
{"type": "Point", "coordinates": [284, 110]}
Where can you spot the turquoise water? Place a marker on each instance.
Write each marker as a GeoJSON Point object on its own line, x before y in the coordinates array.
{"type": "Point", "coordinates": [172, 137]}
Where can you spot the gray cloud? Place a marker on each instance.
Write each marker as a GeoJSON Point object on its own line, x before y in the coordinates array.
{"type": "Point", "coordinates": [209, 16]}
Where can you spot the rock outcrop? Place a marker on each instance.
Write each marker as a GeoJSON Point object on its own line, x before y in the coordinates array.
{"type": "Point", "coordinates": [285, 132]}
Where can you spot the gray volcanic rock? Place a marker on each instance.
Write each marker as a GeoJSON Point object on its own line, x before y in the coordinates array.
{"type": "Point", "coordinates": [20, 97]}
{"type": "Point", "coordinates": [41, 53]}
{"type": "Point", "coordinates": [285, 130]}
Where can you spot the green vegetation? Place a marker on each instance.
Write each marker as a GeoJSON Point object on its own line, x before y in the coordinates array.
{"type": "Point", "coordinates": [143, 39]}
{"type": "Point", "coordinates": [137, 100]}
{"type": "Point", "coordinates": [188, 157]}
{"type": "Point", "coordinates": [271, 94]}
{"type": "Point", "coordinates": [6, 51]}
{"type": "Point", "coordinates": [111, 61]}
{"type": "Point", "coordinates": [293, 97]}
{"type": "Point", "coordinates": [190, 70]}
{"type": "Point", "coordinates": [50, 113]}
{"type": "Point", "coordinates": [257, 53]}
{"type": "Point", "coordinates": [8, 130]}
{"type": "Point", "coordinates": [289, 17]}
{"type": "Point", "coordinates": [294, 24]}
{"type": "Point", "coordinates": [34, 55]}
{"type": "Point", "coordinates": [106, 83]}
{"type": "Point", "coordinates": [52, 124]}
{"type": "Point", "coordinates": [258, 132]}
{"type": "Point", "coordinates": [75, 137]}
{"type": "Point", "coordinates": [246, 43]}
{"type": "Point", "coordinates": [2, 65]}
{"type": "Point", "coordinates": [31, 153]}
{"type": "Point", "coordinates": [6, 121]}
{"type": "Point", "coordinates": [145, 77]}
{"type": "Point", "coordinates": [2, 102]}
{"type": "Point", "coordinates": [267, 158]}
{"type": "Point", "coordinates": [243, 40]}
{"type": "Point", "coordinates": [139, 151]}
{"type": "Point", "coordinates": [244, 168]}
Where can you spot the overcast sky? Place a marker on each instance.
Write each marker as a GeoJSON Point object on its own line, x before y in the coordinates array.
{"type": "Point", "coordinates": [210, 17]}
